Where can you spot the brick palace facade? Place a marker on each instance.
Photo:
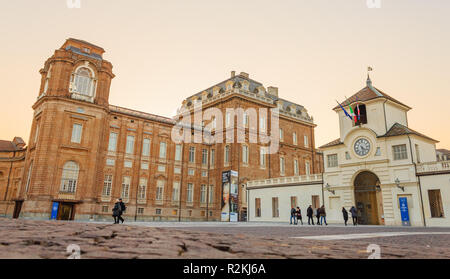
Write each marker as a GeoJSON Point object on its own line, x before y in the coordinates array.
{"type": "Point", "coordinates": [83, 153]}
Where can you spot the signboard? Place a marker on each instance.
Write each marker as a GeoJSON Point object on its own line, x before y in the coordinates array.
{"type": "Point", "coordinates": [230, 196]}
{"type": "Point", "coordinates": [404, 212]}
{"type": "Point", "coordinates": [55, 207]}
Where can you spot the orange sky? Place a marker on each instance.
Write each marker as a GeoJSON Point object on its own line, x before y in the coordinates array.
{"type": "Point", "coordinates": [163, 51]}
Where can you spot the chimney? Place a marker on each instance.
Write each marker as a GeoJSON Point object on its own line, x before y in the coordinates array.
{"type": "Point", "coordinates": [244, 74]}
{"type": "Point", "coordinates": [273, 90]}
{"type": "Point", "coordinates": [233, 73]}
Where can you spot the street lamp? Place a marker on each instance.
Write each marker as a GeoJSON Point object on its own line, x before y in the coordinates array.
{"type": "Point", "coordinates": [328, 188]}
{"type": "Point", "coordinates": [397, 182]}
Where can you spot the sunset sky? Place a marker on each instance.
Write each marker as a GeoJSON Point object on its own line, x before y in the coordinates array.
{"type": "Point", "coordinates": [164, 51]}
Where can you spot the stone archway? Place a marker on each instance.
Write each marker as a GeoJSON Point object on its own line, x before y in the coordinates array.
{"type": "Point", "coordinates": [368, 198]}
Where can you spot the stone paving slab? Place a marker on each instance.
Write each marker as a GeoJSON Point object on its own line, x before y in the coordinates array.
{"type": "Point", "coordinates": [50, 239]}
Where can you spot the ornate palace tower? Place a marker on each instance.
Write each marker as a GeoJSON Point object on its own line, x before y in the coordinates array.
{"type": "Point", "coordinates": [69, 126]}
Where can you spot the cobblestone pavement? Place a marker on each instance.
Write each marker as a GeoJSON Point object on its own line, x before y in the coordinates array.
{"type": "Point", "coordinates": [50, 239]}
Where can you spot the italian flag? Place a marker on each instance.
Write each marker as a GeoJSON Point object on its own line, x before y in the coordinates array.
{"type": "Point", "coordinates": [351, 112]}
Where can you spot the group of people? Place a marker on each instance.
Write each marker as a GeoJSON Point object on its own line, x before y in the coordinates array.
{"type": "Point", "coordinates": [320, 214]}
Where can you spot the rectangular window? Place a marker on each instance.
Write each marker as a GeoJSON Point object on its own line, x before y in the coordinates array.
{"type": "Point", "coordinates": [176, 191]}
{"type": "Point", "coordinates": [191, 171]}
{"type": "Point", "coordinates": [177, 170]}
{"type": "Point", "coordinates": [36, 134]}
{"type": "Point", "coordinates": [204, 173]}
{"type": "Point", "coordinates": [128, 164]}
{"type": "Point", "coordinates": [144, 166]}
{"type": "Point", "coordinates": [436, 207]}
{"type": "Point", "coordinates": [112, 141]}
{"type": "Point", "coordinates": [161, 168]}
{"type": "Point", "coordinates": [159, 190]}
{"type": "Point", "coordinates": [257, 207]}
{"type": "Point", "coordinates": [213, 157]}
{"type": "Point", "coordinates": [162, 150]}
{"type": "Point", "coordinates": [146, 147]}
{"type": "Point", "coordinates": [29, 176]}
{"type": "Point", "coordinates": [203, 194]}
{"type": "Point", "coordinates": [142, 188]}
{"type": "Point", "coordinates": [281, 134]}
{"type": "Point", "coordinates": [76, 133]}
{"type": "Point", "coordinates": [192, 154]}
{"type": "Point", "coordinates": [214, 123]}
{"type": "Point", "coordinates": [296, 167]}
{"type": "Point", "coordinates": [332, 160]}
{"type": "Point", "coordinates": [294, 202]}
{"type": "Point", "coordinates": [228, 119]}
{"type": "Point", "coordinates": [307, 168]}
{"type": "Point", "coordinates": [107, 185]}
{"type": "Point", "coordinates": [204, 157]}
{"type": "Point", "coordinates": [262, 124]}
{"type": "Point", "coordinates": [275, 210]}
{"type": "Point", "coordinates": [306, 141]}
{"type": "Point", "coordinates": [245, 154]}
{"type": "Point", "coordinates": [211, 194]}
{"type": "Point", "coordinates": [105, 208]}
{"type": "Point", "coordinates": [126, 187]}
{"type": "Point", "coordinates": [140, 210]}
{"type": "Point", "coordinates": [400, 152]}
{"type": "Point", "coordinates": [262, 156]}
{"type": "Point", "coordinates": [294, 138]}
{"type": "Point", "coordinates": [282, 165]}
{"type": "Point", "coordinates": [315, 201]}
{"type": "Point", "coordinates": [110, 162]}
{"type": "Point", "coordinates": [130, 145]}
{"type": "Point", "coordinates": [190, 193]}
{"type": "Point", "coordinates": [245, 120]}
{"type": "Point", "coordinates": [227, 154]}
{"type": "Point", "coordinates": [178, 150]}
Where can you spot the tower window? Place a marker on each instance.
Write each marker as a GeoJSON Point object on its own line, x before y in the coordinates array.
{"type": "Point", "coordinates": [83, 84]}
{"type": "Point", "coordinates": [362, 115]}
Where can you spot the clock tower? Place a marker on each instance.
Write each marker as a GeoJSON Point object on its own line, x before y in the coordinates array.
{"type": "Point", "coordinates": [372, 155]}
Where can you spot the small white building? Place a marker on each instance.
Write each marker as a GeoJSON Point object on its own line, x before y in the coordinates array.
{"type": "Point", "coordinates": [376, 164]}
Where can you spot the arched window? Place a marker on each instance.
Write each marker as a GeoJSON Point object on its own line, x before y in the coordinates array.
{"type": "Point", "coordinates": [69, 177]}
{"type": "Point", "coordinates": [83, 81]}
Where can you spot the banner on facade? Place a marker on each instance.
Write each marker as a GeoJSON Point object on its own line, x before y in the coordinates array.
{"type": "Point", "coordinates": [55, 207]}
{"type": "Point", "coordinates": [404, 212]}
{"type": "Point", "coordinates": [230, 196]}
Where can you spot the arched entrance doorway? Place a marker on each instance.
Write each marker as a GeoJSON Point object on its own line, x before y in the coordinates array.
{"type": "Point", "coordinates": [368, 198]}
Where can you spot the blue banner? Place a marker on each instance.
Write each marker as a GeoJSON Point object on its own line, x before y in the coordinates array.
{"type": "Point", "coordinates": [55, 207]}
{"type": "Point", "coordinates": [404, 212]}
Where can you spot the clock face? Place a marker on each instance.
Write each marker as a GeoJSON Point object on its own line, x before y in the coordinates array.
{"type": "Point", "coordinates": [362, 147]}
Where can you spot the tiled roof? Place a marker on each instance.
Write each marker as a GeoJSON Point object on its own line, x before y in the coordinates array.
{"type": "Point", "coordinates": [85, 42]}
{"type": "Point", "coordinates": [333, 143]}
{"type": "Point", "coordinates": [368, 93]}
{"type": "Point", "coordinates": [398, 130]}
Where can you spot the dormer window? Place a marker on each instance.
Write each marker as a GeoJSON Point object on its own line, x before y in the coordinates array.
{"type": "Point", "coordinates": [362, 115]}
{"type": "Point", "coordinates": [86, 50]}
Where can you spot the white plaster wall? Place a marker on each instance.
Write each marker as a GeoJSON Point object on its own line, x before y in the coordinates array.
{"type": "Point", "coordinates": [304, 195]}
{"type": "Point", "coordinates": [433, 182]}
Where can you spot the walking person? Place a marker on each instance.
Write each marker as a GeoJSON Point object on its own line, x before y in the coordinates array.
{"type": "Point", "coordinates": [116, 211]}
{"type": "Point", "coordinates": [317, 213]}
{"type": "Point", "coordinates": [309, 213]}
{"type": "Point", "coordinates": [122, 210]}
{"type": "Point", "coordinates": [345, 214]}
{"type": "Point", "coordinates": [323, 216]}
{"type": "Point", "coordinates": [299, 215]}
{"type": "Point", "coordinates": [293, 213]}
{"type": "Point", "coordinates": [354, 213]}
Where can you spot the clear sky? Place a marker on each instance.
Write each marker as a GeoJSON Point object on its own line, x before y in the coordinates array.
{"type": "Point", "coordinates": [164, 51]}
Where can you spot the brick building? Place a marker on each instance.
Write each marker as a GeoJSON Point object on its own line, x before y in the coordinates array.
{"type": "Point", "coordinates": [83, 153]}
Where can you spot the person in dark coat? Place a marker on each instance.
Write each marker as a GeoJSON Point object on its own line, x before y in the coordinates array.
{"type": "Point", "coordinates": [309, 213]}
{"type": "Point", "coordinates": [318, 216]}
{"type": "Point", "coordinates": [354, 213]}
{"type": "Point", "coordinates": [299, 215]}
{"type": "Point", "coordinates": [293, 213]}
{"type": "Point", "coordinates": [345, 214]}
{"type": "Point", "coordinates": [323, 215]}
{"type": "Point", "coordinates": [122, 210]}
{"type": "Point", "coordinates": [116, 211]}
